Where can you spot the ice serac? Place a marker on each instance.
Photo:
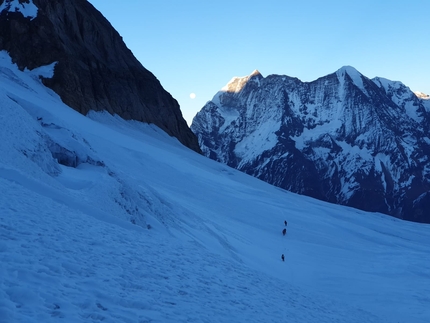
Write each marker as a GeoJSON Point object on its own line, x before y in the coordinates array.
{"type": "Point", "coordinates": [95, 69]}
{"type": "Point", "coordinates": [343, 138]}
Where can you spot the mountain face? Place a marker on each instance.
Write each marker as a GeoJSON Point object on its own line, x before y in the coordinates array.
{"type": "Point", "coordinates": [343, 138]}
{"type": "Point", "coordinates": [94, 68]}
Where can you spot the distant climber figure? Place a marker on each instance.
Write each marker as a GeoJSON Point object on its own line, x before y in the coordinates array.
{"type": "Point", "coordinates": [284, 232]}
{"type": "Point", "coordinates": [285, 223]}
{"type": "Point", "coordinates": [282, 257]}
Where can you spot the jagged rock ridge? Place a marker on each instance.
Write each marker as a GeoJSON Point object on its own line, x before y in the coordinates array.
{"type": "Point", "coordinates": [343, 138]}
{"type": "Point", "coordinates": [95, 69]}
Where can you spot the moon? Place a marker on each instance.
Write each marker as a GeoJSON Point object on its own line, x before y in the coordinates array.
{"type": "Point", "coordinates": [192, 95]}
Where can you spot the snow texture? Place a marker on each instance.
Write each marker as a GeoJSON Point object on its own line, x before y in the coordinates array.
{"type": "Point", "coordinates": [103, 219]}
{"type": "Point", "coordinates": [28, 10]}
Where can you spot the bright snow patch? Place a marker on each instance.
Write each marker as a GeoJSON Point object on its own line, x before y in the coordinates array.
{"type": "Point", "coordinates": [44, 71]}
{"type": "Point", "coordinates": [236, 84]}
{"type": "Point", "coordinates": [422, 95]}
{"type": "Point", "coordinates": [262, 139]}
{"type": "Point", "coordinates": [355, 75]}
{"type": "Point", "coordinates": [28, 10]}
{"type": "Point", "coordinates": [312, 134]}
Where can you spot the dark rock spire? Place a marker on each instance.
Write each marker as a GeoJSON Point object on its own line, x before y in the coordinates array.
{"type": "Point", "coordinates": [95, 70]}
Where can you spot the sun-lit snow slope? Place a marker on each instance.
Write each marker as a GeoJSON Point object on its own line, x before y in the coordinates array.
{"type": "Point", "coordinates": [107, 220]}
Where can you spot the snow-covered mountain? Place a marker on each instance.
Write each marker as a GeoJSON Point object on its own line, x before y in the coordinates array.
{"type": "Point", "coordinates": [343, 138]}
{"type": "Point", "coordinates": [103, 219]}
{"type": "Point", "coordinates": [95, 71]}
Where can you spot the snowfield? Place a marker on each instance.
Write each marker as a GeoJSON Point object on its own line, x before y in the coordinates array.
{"type": "Point", "coordinates": [103, 219]}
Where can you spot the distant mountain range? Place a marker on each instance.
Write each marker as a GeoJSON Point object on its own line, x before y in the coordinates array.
{"type": "Point", "coordinates": [343, 138]}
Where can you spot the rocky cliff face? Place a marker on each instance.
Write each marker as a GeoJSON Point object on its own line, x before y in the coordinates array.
{"type": "Point", "coordinates": [95, 69]}
{"type": "Point", "coordinates": [343, 138]}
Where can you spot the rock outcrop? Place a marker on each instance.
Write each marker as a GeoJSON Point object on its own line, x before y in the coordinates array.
{"type": "Point", "coordinates": [95, 69]}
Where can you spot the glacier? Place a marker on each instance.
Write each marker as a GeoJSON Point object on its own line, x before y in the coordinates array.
{"type": "Point", "coordinates": [103, 219]}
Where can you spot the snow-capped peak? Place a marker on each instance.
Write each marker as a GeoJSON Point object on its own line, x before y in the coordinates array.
{"type": "Point", "coordinates": [422, 95]}
{"type": "Point", "coordinates": [351, 71]}
{"type": "Point", "coordinates": [28, 10]}
{"type": "Point", "coordinates": [236, 84]}
{"type": "Point", "coordinates": [356, 77]}
{"type": "Point", "coordinates": [255, 73]}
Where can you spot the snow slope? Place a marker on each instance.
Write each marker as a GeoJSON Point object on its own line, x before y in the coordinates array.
{"type": "Point", "coordinates": [103, 219]}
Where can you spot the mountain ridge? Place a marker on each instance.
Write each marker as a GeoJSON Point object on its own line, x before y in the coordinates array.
{"type": "Point", "coordinates": [95, 70]}
{"type": "Point", "coordinates": [343, 138]}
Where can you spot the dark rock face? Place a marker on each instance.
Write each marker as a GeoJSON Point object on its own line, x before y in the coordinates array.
{"type": "Point", "coordinates": [343, 138]}
{"type": "Point", "coordinates": [95, 69]}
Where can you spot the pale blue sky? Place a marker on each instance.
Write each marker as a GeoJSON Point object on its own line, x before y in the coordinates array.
{"type": "Point", "coordinates": [195, 46]}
